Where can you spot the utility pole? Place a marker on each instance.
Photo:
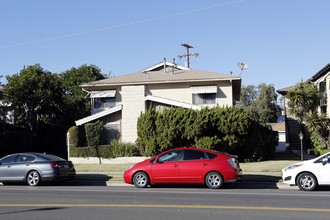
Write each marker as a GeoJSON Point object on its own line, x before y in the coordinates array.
{"type": "Point", "coordinates": [187, 46]}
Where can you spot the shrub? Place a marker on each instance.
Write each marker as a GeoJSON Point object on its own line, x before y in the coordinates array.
{"type": "Point", "coordinates": [119, 149]}
{"type": "Point", "coordinates": [114, 149]}
{"type": "Point", "coordinates": [74, 137]}
{"type": "Point", "coordinates": [228, 129]}
{"type": "Point", "coordinates": [94, 135]}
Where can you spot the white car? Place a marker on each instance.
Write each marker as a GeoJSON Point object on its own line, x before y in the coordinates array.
{"type": "Point", "coordinates": [308, 174]}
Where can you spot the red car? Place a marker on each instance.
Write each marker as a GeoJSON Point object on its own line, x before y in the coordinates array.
{"type": "Point", "coordinates": [185, 165]}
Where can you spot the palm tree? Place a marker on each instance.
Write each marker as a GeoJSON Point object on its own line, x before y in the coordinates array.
{"type": "Point", "coordinates": [303, 101]}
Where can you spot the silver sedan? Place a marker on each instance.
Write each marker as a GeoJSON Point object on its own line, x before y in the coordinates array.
{"type": "Point", "coordinates": [33, 168]}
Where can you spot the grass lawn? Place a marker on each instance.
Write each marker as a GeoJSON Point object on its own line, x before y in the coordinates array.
{"type": "Point", "coordinates": [102, 167]}
{"type": "Point", "coordinates": [276, 164]}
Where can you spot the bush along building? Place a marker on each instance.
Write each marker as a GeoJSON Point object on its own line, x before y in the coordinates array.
{"type": "Point", "coordinates": [118, 102]}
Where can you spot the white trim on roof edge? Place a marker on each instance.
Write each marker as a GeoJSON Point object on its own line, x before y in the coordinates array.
{"type": "Point", "coordinates": [98, 115]}
{"type": "Point", "coordinates": [172, 102]}
{"type": "Point", "coordinates": [162, 64]}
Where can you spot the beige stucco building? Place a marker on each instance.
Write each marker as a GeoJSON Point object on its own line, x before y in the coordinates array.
{"type": "Point", "coordinates": [322, 80]}
{"type": "Point", "coordinates": [119, 101]}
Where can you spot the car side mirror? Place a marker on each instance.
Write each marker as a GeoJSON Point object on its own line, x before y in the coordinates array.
{"type": "Point", "coordinates": [325, 161]}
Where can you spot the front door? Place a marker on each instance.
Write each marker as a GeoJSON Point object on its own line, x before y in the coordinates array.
{"type": "Point", "coordinates": [325, 171]}
{"type": "Point", "coordinates": [166, 169]}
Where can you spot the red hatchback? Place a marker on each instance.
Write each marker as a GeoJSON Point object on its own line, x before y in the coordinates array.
{"type": "Point", "coordinates": [185, 165]}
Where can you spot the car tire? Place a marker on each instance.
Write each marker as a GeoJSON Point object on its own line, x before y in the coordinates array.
{"type": "Point", "coordinates": [214, 180]}
{"type": "Point", "coordinates": [33, 178]}
{"type": "Point", "coordinates": [307, 181]}
{"type": "Point", "coordinates": [141, 180]}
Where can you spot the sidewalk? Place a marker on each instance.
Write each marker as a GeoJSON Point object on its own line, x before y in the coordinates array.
{"type": "Point", "coordinates": [237, 185]}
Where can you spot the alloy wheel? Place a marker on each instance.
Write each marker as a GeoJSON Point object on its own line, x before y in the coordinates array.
{"type": "Point", "coordinates": [33, 178]}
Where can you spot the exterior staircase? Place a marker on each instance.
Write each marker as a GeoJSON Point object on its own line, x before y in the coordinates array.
{"type": "Point", "coordinates": [293, 130]}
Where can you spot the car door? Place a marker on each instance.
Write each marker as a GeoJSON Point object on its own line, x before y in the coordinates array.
{"type": "Point", "coordinates": [324, 170]}
{"type": "Point", "coordinates": [166, 168]}
{"type": "Point", "coordinates": [5, 167]}
{"type": "Point", "coordinates": [194, 166]}
{"type": "Point", "coordinates": [21, 166]}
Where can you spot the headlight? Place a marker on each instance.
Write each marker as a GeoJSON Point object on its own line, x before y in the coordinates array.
{"type": "Point", "coordinates": [130, 167]}
{"type": "Point", "coordinates": [293, 167]}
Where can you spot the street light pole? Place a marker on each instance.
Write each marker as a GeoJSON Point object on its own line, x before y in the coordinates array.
{"type": "Point", "coordinates": [301, 137]}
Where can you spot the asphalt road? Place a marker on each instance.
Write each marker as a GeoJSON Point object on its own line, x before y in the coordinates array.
{"type": "Point", "coordinates": [164, 202]}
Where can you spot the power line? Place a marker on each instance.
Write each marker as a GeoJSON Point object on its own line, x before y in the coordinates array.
{"type": "Point", "coordinates": [122, 25]}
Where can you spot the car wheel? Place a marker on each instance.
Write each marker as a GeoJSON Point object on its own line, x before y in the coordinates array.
{"type": "Point", "coordinates": [141, 179]}
{"type": "Point", "coordinates": [307, 182]}
{"type": "Point", "coordinates": [214, 180]}
{"type": "Point", "coordinates": [33, 178]}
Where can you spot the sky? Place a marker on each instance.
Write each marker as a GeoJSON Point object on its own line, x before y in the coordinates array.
{"type": "Point", "coordinates": [281, 41]}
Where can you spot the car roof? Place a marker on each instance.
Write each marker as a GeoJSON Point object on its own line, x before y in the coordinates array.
{"type": "Point", "coordinates": [201, 149]}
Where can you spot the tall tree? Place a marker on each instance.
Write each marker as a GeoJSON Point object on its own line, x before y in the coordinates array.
{"type": "Point", "coordinates": [37, 96]}
{"type": "Point", "coordinates": [260, 102]}
{"type": "Point", "coordinates": [76, 105]}
{"type": "Point", "coordinates": [303, 101]}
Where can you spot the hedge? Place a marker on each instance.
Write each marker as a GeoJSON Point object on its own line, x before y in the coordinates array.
{"type": "Point", "coordinates": [114, 149]}
{"type": "Point", "coordinates": [227, 129]}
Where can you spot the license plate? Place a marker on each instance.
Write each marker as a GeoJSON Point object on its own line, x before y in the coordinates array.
{"type": "Point", "coordinates": [66, 166]}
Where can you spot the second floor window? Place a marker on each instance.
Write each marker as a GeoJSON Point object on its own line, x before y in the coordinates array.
{"type": "Point", "coordinates": [202, 99]}
{"type": "Point", "coordinates": [104, 102]}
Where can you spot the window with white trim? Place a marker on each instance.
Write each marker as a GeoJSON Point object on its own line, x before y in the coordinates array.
{"type": "Point", "coordinates": [202, 99]}
{"type": "Point", "coordinates": [202, 95]}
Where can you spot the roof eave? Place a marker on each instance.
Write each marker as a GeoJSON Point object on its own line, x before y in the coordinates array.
{"type": "Point", "coordinates": [156, 82]}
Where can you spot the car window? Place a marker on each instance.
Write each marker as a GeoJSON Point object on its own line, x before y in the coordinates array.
{"type": "Point", "coordinates": [170, 156]}
{"type": "Point", "coordinates": [9, 159]}
{"type": "Point", "coordinates": [50, 157]}
{"type": "Point", "coordinates": [194, 155]}
{"type": "Point", "coordinates": [25, 158]}
{"type": "Point", "coordinates": [322, 158]}
{"type": "Point", "coordinates": [211, 156]}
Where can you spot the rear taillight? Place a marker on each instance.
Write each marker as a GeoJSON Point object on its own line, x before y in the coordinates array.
{"type": "Point", "coordinates": [55, 165]}
{"type": "Point", "coordinates": [232, 163]}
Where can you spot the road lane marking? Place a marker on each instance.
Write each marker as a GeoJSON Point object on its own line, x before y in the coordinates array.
{"type": "Point", "coordinates": [264, 208]}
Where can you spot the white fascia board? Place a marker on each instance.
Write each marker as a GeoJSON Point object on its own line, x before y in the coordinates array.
{"type": "Point", "coordinates": [99, 115]}
{"type": "Point", "coordinates": [321, 79]}
{"type": "Point", "coordinates": [162, 64]}
{"type": "Point", "coordinates": [172, 102]}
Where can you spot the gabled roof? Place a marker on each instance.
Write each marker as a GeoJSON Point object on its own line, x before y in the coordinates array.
{"type": "Point", "coordinates": [325, 70]}
{"type": "Point", "coordinates": [284, 91]}
{"type": "Point", "coordinates": [156, 75]}
{"type": "Point", "coordinates": [319, 76]}
{"type": "Point", "coordinates": [160, 66]}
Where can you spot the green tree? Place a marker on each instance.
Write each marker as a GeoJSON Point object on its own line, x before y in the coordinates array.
{"type": "Point", "coordinates": [303, 101]}
{"type": "Point", "coordinates": [37, 96]}
{"type": "Point", "coordinates": [260, 102]}
{"type": "Point", "coordinates": [76, 105]}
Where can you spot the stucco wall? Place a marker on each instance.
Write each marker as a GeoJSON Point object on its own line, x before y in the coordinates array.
{"type": "Point", "coordinates": [182, 92]}
{"type": "Point", "coordinates": [133, 104]}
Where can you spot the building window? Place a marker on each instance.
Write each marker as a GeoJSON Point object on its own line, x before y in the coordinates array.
{"type": "Point", "coordinates": [108, 102]}
{"type": "Point", "coordinates": [202, 99]}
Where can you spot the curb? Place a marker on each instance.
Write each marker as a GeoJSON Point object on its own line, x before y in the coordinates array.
{"type": "Point", "coordinates": [238, 185]}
